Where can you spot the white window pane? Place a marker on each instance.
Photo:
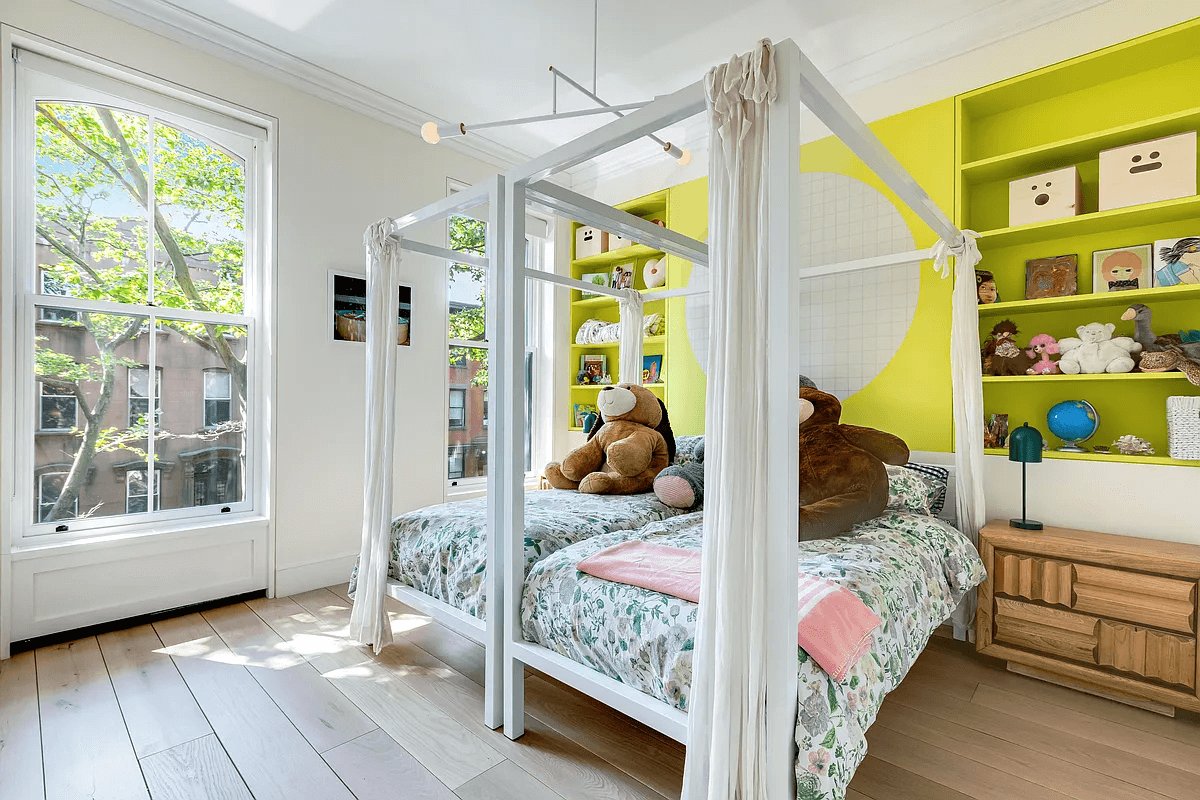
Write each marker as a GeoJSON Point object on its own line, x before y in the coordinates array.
{"type": "Point", "coordinates": [216, 385]}
{"type": "Point", "coordinates": [83, 375]}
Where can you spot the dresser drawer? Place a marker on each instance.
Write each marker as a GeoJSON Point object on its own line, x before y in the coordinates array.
{"type": "Point", "coordinates": [1131, 596]}
{"type": "Point", "coordinates": [1033, 578]}
{"type": "Point", "coordinates": [1047, 630]}
{"type": "Point", "coordinates": [1148, 653]}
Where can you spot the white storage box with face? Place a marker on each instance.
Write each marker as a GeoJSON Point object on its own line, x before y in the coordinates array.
{"type": "Point", "coordinates": [1148, 172]}
{"type": "Point", "coordinates": [1041, 198]}
{"type": "Point", "coordinates": [590, 241]}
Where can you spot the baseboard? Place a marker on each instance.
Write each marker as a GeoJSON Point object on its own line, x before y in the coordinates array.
{"type": "Point", "coordinates": [313, 575]}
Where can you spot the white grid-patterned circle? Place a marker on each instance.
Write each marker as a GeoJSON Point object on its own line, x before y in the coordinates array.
{"type": "Point", "coordinates": [851, 324]}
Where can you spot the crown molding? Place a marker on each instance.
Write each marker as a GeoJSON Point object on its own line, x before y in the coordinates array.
{"type": "Point", "coordinates": [180, 25]}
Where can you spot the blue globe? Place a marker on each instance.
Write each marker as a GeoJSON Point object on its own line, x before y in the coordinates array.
{"type": "Point", "coordinates": [1073, 421]}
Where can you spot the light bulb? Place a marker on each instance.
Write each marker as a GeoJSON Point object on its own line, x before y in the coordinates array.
{"type": "Point", "coordinates": [686, 158]}
{"type": "Point", "coordinates": [429, 132]}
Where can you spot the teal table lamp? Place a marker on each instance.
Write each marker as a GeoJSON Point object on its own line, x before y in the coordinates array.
{"type": "Point", "coordinates": [1025, 446]}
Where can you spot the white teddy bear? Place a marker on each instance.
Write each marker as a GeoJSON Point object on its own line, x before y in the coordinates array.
{"type": "Point", "coordinates": [1096, 351]}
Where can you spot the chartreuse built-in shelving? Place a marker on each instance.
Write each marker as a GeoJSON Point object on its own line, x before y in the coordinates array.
{"type": "Point", "coordinates": [653, 206]}
{"type": "Point", "coordinates": [1057, 117]}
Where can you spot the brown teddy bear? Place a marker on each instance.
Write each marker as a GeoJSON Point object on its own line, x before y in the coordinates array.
{"type": "Point", "coordinates": [626, 449]}
{"type": "Point", "coordinates": [843, 480]}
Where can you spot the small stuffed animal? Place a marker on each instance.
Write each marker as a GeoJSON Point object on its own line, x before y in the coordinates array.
{"type": "Point", "coordinates": [1006, 357]}
{"type": "Point", "coordinates": [625, 450]}
{"type": "Point", "coordinates": [843, 480]}
{"type": "Point", "coordinates": [1096, 351]}
{"type": "Point", "coordinates": [682, 485]}
{"type": "Point", "coordinates": [1045, 346]}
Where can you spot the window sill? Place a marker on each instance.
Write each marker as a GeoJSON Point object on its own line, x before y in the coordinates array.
{"type": "Point", "coordinates": [470, 491]}
{"type": "Point", "coordinates": [34, 546]}
{"type": "Point", "coordinates": [55, 432]}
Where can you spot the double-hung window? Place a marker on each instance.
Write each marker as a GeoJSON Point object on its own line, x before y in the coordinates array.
{"type": "Point", "coordinates": [469, 349]}
{"type": "Point", "coordinates": [139, 252]}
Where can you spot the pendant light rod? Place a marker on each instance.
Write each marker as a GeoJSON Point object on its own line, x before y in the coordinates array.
{"type": "Point", "coordinates": [584, 112]}
{"type": "Point", "coordinates": [595, 43]}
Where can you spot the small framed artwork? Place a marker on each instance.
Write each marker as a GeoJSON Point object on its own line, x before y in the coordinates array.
{"type": "Point", "coordinates": [348, 303]}
{"type": "Point", "coordinates": [622, 276]}
{"type": "Point", "coordinates": [985, 287]}
{"type": "Point", "coordinates": [582, 410]}
{"type": "Point", "coordinates": [598, 278]}
{"type": "Point", "coordinates": [1177, 261]}
{"type": "Point", "coordinates": [592, 368]}
{"type": "Point", "coordinates": [1051, 277]}
{"type": "Point", "coordinates": [1122, 269]}
{"type": "Point", "coordinates": [652, 369]}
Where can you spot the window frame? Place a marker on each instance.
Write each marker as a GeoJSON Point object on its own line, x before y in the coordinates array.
{"type": "Point", "coordinates": [157, 490]}
{"type": "Point", "coordinates": [130, 397]}
{"type": "Point", "coordinates": [228, 397]}
{"type": "Point", "coordinates": [461, 391]}
{"type": "Point", "coordinates": [251, 137]}
{"type": "Point", "coordinates": [539, 350]}
{"type": "Point", "coordinates": [38, 496]}
{"type": "Point", "coordinates": [41, 400]}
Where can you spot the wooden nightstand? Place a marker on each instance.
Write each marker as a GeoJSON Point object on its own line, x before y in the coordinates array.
{"type": "Point", "coordinates": [1109, 615]}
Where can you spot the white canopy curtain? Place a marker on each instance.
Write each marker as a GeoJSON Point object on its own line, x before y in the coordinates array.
{"type": "Point", "coordinates": [368, 619]}
{"type": "Point", "coordinates": [726, 757]}
{"type": "Point", "coordinates": [629, 361]}
{"type": "Point", "coordinates": [967, 381]}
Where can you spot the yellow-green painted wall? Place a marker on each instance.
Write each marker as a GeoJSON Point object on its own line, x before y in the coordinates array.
{"type": "Point", "coordinates": [911, 397]}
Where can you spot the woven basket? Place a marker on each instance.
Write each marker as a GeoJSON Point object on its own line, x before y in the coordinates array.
{"type": "Point", "coordinates": [1183, 427]}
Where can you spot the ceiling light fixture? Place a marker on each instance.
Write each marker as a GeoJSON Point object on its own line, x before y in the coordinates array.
{"type": "Point", "coordinates": [433, 133]}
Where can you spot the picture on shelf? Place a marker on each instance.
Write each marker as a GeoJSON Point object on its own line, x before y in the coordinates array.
{"type": "Point", "coordinates": [1122, 269]}
{"type": "Point", "coordinates": [598, 278]}
{"type": "Point", "coordinates": [581, 410]}
{"type": "Point", "coordinates": [350, 309]}
{"type": "Point", "coordinates": [985, 287]}
{"type": "Point", "coordinates": [622, 276]}
{"type": "Point", "coordinates": [1177, 261]}
{"type": "Point", "coordinates": [995, 434]}
{"type": "Point", "coordinates": [652, 369]}
{"type": "Point", "coordinates": [1051, 277]}
{"type": "Point", "coordinates": [593, 367]}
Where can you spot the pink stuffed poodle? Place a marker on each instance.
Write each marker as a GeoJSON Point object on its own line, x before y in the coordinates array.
{"type": "Point", "coordinates": [1046, 347]}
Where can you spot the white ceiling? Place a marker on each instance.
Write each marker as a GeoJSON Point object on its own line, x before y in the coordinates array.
{"type": "Point", "coordinates": [478, 60]}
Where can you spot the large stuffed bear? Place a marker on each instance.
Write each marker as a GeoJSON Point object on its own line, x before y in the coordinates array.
{"type": "Point", "coordinates": [1096, 351]}
{"type": "Point", "coordinates": [843, 480]}
{"type": "Point", "coordinates": [626, 449]}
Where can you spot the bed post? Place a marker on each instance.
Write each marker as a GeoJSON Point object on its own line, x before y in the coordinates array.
{"type": "Point", "coordinates": [783, 414]}
{"type": "Point", "coordinates": [493, 668]}
{"type": "Point", "coordinates": [510, 466]}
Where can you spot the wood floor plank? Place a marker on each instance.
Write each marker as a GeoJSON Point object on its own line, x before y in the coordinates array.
{"type": "Point", "coordinates": [653, 758]}
{"type": "Point", "coordinates": [506, 781]}
{"type": "Point", "coordinates": [195, 770]}
{"type": "Point", "coordinates": [950, 662]}
{"type": "Point", "coordinates": [274, 759]}
{"type": "Point", "coordinates": [20, 728]}
{"type": "Point", "coordinates": [318, 710]}
{"type": "Point", "coordinates": [1102, 759]}
{"type": "Point", "coordinates": [86, 749]}
{"type": "Point", "coordinates": [880, 780]}
{"type": "Point", "coordinates": [444, 746]}
{"type": "Point", "coordinates": [853, 795]}
{"type": "Point", "coordinates": [973, 779]}
{"type": "Point", "coordinates": [375, 767]}
{"type": "Point", "coordinates": [1148, 745]}
{"type": "Point", "coordinates": [1014, 759]}
{"type": "Point", "coordinates": [159, 710]}
{"type": "Point", "coordinates": [573, 771]}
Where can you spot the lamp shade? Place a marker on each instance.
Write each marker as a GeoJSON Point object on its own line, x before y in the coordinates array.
{"type": "Point", "coordinates": [1025, 445]}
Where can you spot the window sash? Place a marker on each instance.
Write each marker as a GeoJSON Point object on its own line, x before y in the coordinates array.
{"type": "Point", "coordinates": [40, 78]}
{"type": "Point", "coordinates": [44, 504]}
{"type": "Point", "coordinates": [48, 396]}
{"type": "Point", "coordinates": [139, 404]}
{"type": "Point", "coordinates": [136, 501]}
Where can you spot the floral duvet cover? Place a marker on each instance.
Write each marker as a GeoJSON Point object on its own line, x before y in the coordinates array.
{"type": "Point", "coordinates": [911, 570]}
{"type": "Point", "coordinates": [442, 550]}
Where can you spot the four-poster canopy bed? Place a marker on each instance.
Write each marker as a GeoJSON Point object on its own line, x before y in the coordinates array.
{"type": "Point", "coordinates": [744, 687]}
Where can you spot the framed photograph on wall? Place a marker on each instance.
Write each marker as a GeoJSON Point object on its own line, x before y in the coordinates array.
{"type": "Point", "coordinates": [1122, 268]}
{"type": "Point", "coordinates": [348, 309]}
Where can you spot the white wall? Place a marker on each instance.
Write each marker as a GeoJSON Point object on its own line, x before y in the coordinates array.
{"type": "Point", "coordinates": [337, 172]}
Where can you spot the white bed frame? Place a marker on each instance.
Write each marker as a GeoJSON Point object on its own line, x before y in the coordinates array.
{"type": "Point", "coordinates": [799, 85]}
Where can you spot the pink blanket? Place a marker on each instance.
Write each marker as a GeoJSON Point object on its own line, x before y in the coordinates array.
{"type": "Point", "coordinates": [834, 626]}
